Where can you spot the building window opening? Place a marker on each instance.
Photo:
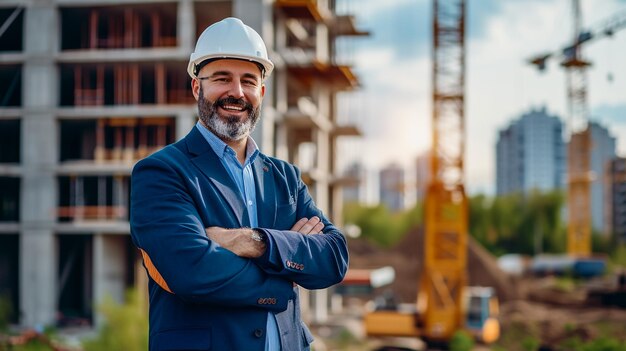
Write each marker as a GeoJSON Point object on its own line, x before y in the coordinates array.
{"type": "Point", "coordinates": [78, 140]}
{"type": "Point", "coordinates": [93, 198]}
{"type": "Point", "coordinates": [9, 199]}
{"type": "Point", "coordinates": [75, 280]}
{"type": "Point", "coordinates": [125, 84]}
{"type": "Point", "coordinates": [12, 38]}
{"type": "Point", "coordinates": [10, 85]}
{"type": "Point", "coordinates": [10, 141]}
{"type": "Point", "coordinates": [119, 27]}
{"type": "Point", "coordinates": [9, 275]}
{"type": "Point", "coordinates": [124, 139]}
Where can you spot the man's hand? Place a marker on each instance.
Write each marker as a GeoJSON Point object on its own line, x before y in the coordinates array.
{"type": "Point", "coordinates": [308, 226]}
{"type": "Point", "coordinates": [239, 241]}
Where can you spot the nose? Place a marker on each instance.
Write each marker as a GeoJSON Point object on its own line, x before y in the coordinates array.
{"type": "Point", "coordinates": [236, 89]}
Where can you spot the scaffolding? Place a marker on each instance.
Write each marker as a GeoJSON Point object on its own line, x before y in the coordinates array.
{"type": "Point", "coordinates": [115, 140]}
{"type": "Point", "coordinates": [125, 84]}
{"type": "Point", "coordinates": [119, 27]}
{"type": "Point", "coordinates": [85, 198]}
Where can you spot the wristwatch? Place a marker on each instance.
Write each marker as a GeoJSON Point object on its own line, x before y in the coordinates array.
{"type": "Point", "coordinates": [258, 235]}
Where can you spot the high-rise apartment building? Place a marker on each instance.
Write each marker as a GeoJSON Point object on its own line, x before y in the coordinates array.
{"type": "Point", "coordinates": [615, 192]}
{"type": "Point", "coordinates": [355, 182]}
{"type": "Point", "coordinates": [422, 175]}
{"type": "Point", "coordinates": [88, 87]}
{"type": "Point", "coordinates": [392, 187]}
{"type": "Point", "coordinates": [602, 153]}
{"type": "Point", "coordinates": [530, 154]}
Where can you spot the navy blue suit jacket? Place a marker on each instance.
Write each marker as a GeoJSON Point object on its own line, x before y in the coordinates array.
{"type": "Point", "coordinates": [202, 296]}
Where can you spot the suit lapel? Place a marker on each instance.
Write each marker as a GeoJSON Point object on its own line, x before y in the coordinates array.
{"type": "Point", "coordinates": [265, 192]}
{"type": "Point", "coordinates": [208, 162]}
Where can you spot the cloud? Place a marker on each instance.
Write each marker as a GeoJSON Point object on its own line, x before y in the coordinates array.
{"type": "Point", "coordinates": [402, 25]}
{"type": "Point", "coordinates": [394, 65]}
{"type": "Point", "coordinates": [614, 114]}
{"type": "Point", "coordinates": [393, 109]}
{"type": "Point", "coordinates": [367, 9]}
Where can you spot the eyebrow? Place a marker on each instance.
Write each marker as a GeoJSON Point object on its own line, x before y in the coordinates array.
{"type": "Point", "coordinates": [227, 73]}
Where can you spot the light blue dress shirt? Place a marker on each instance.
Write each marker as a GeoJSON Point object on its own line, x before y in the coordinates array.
{"type": "Point", "coordinates": [243, 177]}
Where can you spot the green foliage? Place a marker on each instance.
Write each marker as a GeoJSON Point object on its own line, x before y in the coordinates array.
{"type": "Point", "coordinates": [605, 344]}
{"type": "Point", "coordinates": [519, 336]}
{"type": "Point", "coordinates": [565, 284]}
{"type": "Point", "coordinates": [599, 344]}
{"type": "Point", "coordinates": [530, 343]}
{"type": "Point", "coordinates": [461, 341]}
{"type": "Point", "coordinates": [618, 256]}
{"type": "Point", "coordinates": [31, 340]}
{"type": "Point", "coordinates": [601, 243]}
{"type": "Point", "coordinates": [518, 223]}
{"type": "Point", "coordinates": [379, 225]}
{"type": "Point", "coordinates": [33, 345]}
{"type": "Point", "coordinates": [125, 328]}
{"type": "Point", "coordinates": [5, 312]}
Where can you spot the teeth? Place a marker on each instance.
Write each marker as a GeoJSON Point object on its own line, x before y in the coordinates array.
{"type": "Point", "coordinates": [234, 108]}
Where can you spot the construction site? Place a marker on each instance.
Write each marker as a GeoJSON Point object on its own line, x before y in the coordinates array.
{"type": "Point", "coordinates": [105, 85]}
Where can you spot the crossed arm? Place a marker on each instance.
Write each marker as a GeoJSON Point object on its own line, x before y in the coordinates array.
{"type": "Point", "coordinates": [240, 241]}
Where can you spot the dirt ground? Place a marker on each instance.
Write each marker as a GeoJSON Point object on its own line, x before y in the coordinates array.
{"type": "Point", "coordinates": [532, 310]}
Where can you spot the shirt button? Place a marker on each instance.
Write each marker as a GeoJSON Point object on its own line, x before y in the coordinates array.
{"type": "Point", "coordinates": [258, 333]}
{"type": "Point", "coordinates": [249, 202]}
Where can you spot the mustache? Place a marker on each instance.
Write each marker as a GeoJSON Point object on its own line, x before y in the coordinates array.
{"type": "Point", "coordinates": [232, 101]}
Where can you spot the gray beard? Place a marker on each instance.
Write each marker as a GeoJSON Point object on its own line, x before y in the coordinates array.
{"type": "Point", "coordinates": [227, 128]}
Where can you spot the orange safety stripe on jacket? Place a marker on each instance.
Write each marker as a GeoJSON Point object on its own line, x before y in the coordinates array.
{"type": "Point", "coordinates": [153, 272]}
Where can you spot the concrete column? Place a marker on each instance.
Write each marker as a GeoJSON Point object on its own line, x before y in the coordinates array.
{"type": "Point", "coordinates": [38, 277]}
{"type": "Point", "coordinates": [322, 196]}
{"type": "Point", "coordinates": [186, 30]}
{"type": "Point", "coordinates": [282, 147]}
{"type": "Point", "coordinates": [256, 14]}
{"type": "Point", "coordinates": [320, 310]}
{"type": "Point", "coordinates": [185, 120]}
{"type": "Point", "coordinates": [336, 210]}
{"type": "Point", "coordinates": [305, 304]}
{"type": "Point", "coordinates": [109, 269]}
{"type": "Point", "coordinates": [336, 304]}
{"type": "Point", "coordinates": [322, 52]}
{"type": "Point", "coordinates": [38, 249]}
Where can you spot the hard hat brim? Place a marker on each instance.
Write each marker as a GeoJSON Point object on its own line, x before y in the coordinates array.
{"type": "Point", "coordinates": [194, 61]}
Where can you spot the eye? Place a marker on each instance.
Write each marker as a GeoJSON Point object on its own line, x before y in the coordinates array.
{"type": "Point", "coordinates": [249, 82]}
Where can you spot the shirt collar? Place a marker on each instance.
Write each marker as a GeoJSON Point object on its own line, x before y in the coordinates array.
{"type": "Point", "coordinates": [221, 148]}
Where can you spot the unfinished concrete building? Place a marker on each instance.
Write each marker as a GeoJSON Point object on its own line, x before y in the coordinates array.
{"type": "Point", "coordinates": [88, 87]}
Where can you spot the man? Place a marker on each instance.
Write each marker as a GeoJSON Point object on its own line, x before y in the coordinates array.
{"type": "Point", "coordinates": [227, 233]}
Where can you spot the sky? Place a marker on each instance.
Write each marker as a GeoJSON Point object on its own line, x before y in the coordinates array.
{"type": "Point", "coordinates": [393, 105]}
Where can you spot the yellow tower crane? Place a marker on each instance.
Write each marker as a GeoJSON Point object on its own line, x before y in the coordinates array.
{"type": "Point", "coordinates": [580, 145]}
{"type": "Point", "coordinates": [445, 304]}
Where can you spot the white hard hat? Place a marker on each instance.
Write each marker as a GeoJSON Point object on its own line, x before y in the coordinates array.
{"type": "Point", "coordinates": [230, 38]}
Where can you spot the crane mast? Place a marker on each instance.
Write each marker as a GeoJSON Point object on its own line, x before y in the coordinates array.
{"type": "Point", "coordinates": [446, 216]}
{"type": "Point", "coordinates": [442, 292]}
{"type": "Point", "coordinates": [580, 145]}
{"type": "Point", "coordinates": [579, 152]}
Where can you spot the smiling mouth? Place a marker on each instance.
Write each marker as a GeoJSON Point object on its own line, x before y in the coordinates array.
{"type": "Point", "coordinates": [233, 108]}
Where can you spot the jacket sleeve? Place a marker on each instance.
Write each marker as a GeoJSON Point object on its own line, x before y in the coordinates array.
{"type": "Point", "coordinates": [166, 227]}
{"type": "Point", "coordinates": [314, 261]}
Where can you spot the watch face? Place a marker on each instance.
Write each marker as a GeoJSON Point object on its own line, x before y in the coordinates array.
{"type": "Point", "coordinates": [256, 236]}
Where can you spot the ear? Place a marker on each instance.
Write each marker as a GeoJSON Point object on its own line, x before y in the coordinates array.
{"type": "Point", "coordinates": [262, 90]}
{"type": "Point", "coordinates": [195, 88]}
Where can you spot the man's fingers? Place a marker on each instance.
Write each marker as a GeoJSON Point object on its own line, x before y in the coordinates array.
{"type": "Point", "coordinates": [299, 224]}
{"type": "Point", "coordinates": [309, 225]}
{"type": "Point", "coordinates": [318, 228]}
